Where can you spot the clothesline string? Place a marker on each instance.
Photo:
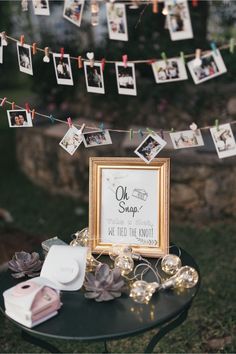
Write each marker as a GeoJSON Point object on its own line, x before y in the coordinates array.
{"type": "Point", "coordinates": [94, 127]}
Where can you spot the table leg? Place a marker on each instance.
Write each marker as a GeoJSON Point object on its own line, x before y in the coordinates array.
{"type": "Point", "coordinates": [105, 347]}
{"type": "Point", "coordinates": [39, 342]}
{"type": "Point", "coordinates": [166, 329]}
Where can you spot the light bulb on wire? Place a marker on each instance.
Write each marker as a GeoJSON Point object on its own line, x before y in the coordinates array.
{"type": "Point", "coordinates": [186, 277]}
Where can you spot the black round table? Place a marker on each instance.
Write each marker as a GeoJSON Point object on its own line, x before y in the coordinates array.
{"type": "Point", "coordinates": [86, 320]}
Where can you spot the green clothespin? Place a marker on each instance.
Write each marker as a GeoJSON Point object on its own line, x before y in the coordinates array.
{"type": "Point", "coordinates": [163, 55]}
{"type": "Point", "coordinates": [172, 130]}
{"type": "Point", "coordinates": [217, 124]}
{"type": "Point", "coordinates": [182, 56]}
{"type": "Point", "coordinates": [150, 131]}
{"type": "Point", "coordinates": [131, 134]}
{"type": "Point", "coordinates": [231, 45]}
{"type": "Point", "coordinates": [51, 118]}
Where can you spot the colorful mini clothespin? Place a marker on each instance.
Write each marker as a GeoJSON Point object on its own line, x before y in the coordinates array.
{"type": "Point", "coordinates": [4, 39]}
{"type": "Point", "coordinates": [163, 55]}
{"type": "Point", "coordinates": [182, 56]}
{"type": "Point", "coordinates": [131, 134]}
{"type": "Point", "coordinates": [217, 124]}
{"type": "Point", "coordinates": [22, 40]}
{"type": "Point", "coordinates": [151, 61]}
{"type": "Point", "coordinates": [32, 114]}
{"type": "Point", "coordinates": [101, 127]}
{"type": "Point", "coordinates": [231, 45]}
{"type": "Point", "coordinates": [197, 60]}
{"type": "Point", "coordinates": [46, 57]}
{"type": "Point", "coordinates": [3, 101]}
{"type": "Point", "coordinates": [140, 133]}
{"type": "Point", "coordinates": [80, 62]}
{"type": "Point", "coordinates": [193, 126]}
{"type": "Point", "coordinates": [90, 56]}
{"type": "Point", "coordinates": [51, 119]}
{"type": "Point", "coordinates": [103, 62]}
{"type": "Point", "coordinates": [150, 131]}
{"type": "Point", "coordinates": [82, 128]}
{"type": "Point", "coordinates": [213, 47]}
{"type": "Point", "coordinates": [172, 130]}
{"type": "Point", "coordinates": [27, 107]}
{"type": "Point", "coordinates": [34, 48]}
{"type": "Point", "coordinates": [162, 133]}
{"type": "Point", "coordinates": [155, 6]}
{"type": "Point", "coordinates": [62, 53]}
{"type": "Point", "coordinates": [195, 3]}
{"type": "Point", "coordinates": [69, 121]}
{"type": "Point", "coordinates": [13, 106]}
{"type": "Point", "coordinates": [125, 60]}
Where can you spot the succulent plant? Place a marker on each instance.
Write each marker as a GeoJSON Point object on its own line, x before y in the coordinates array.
{"type": "Point", "coordinates": [25, 264]}
{"type": "Point", "coordinates": [105, 284]}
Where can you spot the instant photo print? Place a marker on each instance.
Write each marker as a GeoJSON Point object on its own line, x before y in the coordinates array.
{"type": "Point", "coordinates": [19, 118]}
{"type": "Point", "coordinates": [126, 81]}
{"type": "Point", "coordinates": [178, 20]}
{"type": "Point", "coordinates": [73, 11]}
{"type": "Point", "coordinates": [24, 58]}
{"type": "Point", "coordinates": [94, 77]}
{"type": "Point", "coordinates": [41, 7]}
{"type": "Point", "coordinates": [117, 22]}
{"type": "Point", "coordinates": [224, 140]}
{"type": "Point", "coordinates": [97, 138]}
{"type": "Point", "coordinates": [63, 69]}
{"type": "Point", "coordinates": [186, 138]}
{"type": "Point", "coordinates": [71, 140]}
{"type": "Point", "coordinates": [150, 147]}
{"type": "Point", "coordinates": [169, 70]}
{"type": "Point", "coordinates": [211, 65]}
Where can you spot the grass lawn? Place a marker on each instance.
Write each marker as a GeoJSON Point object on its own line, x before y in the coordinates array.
{"type": "Point", "coordinates": [211, 325]}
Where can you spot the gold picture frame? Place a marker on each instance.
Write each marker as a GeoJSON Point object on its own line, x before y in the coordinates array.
{"type": "Point", "coordinates": [129, 204]}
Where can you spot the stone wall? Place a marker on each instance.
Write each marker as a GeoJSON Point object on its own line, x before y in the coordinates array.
{"type": "Point", "coordinates": [203, 187]}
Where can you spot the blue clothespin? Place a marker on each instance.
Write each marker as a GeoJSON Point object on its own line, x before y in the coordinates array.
{"type": "Point", "coordinates": [101, 127]}
{"type": "Point", "coordinates": [52, 119]}
{"type": "Point", "coordinates": [140, 133]}
{"type": "Point", "coordinates": [213, 47]}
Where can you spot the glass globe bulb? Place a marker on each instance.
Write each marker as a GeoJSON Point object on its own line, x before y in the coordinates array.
{"type": "Point", "coordinates": [170, 264]}
{"type": "Point", "coordinates": [141, 291]}
{"type": "Point", "coordinates": [118, 249]}
{"type": "Point", "coordinates": [125, 263]}
{"type": "Point", "coordinates": [186, 277]}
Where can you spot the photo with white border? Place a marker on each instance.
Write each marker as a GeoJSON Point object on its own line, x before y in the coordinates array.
{"type": "Point", "coordinates": [63, 69]}
{"type": "Point", "coordinates": [41, 7]}
{"type": "Point", "coordinates": [73, 11]}
{"type": "Point", "coordinates": [19, 118]}
{"type": "Point", "coordinates": [117, 22]}
{"type": "Point", "coordinates": [169, 70]}
{"type": "Point", "coordinates": [150, 147]}
{"type": "Point", "coordinates": [210, 66]}
{"type": "Point", "coordinates": [224, 140]}
{"type": "Point", "coordinates": [71, 140]}
{"type": "Point", "coordinates": [97, 138]}
{"type": "Point", "coordinates": [94, 77]}
{"type": "Point", "coordinates": [24, 58]}
{"type": "Point", "coordinates": [1, 50]}
{"type": "Point", "coordinates": [126, 80]}
{"type": "Point", "coordinates": [186, 139]}
{"type": "Point", "coordinates": [178, 20]}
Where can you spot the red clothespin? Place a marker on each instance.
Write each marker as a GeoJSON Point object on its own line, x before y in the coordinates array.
{"type": "Point", "coordinates": [13, 106]}
{"type": "Point", "coordinates": [151, 61]}
{"type": "Point", "coordinates": [27, 107]}
{"type": "Point", "coordinates": [69, 121]}
{"type": "Point", "coordinates": [103, 62]}
{"type": "Point", "coordinates": [80, 62]}
{"type": "Point", "coordinates": [195, 3]}
{"type": "Point", "coordinates": [32, 114]}
{"type": "Point", "coordinates": [22, 40]}
{"type": "Point", "coordinates": [34, 48]}
{"type": "Point", "coordinates": [155, 6]}
{"type": "Point", "coordinates": [62, 53]}
{"type": "Point", "coordinates": [125, 59]}
{"type": "Point", "coordinates": [3, 101]}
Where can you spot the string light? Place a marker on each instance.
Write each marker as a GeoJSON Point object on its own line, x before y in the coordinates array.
{"type": "Point", "coordinates": [170, 264]}
{"type": "Point", "coordinates": [186, 277]}
{"type": "Point", "coordinates": [141, 291]}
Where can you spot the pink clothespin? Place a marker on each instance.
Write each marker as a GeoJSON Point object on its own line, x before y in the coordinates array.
{"type": "Point", "coordinates": [32, 114]}
{"type": "Point", "coordinates": [13, 106]}
{"type": "Point", "coordinates": [103, 62]}
{"type": "Point", "coordinates": [22, 40]}
{"type": "Point", "coordinates": [69, 121]}
{"type": "Point", "coordinates": [151, 61]}
{"type": "Point", "coordinates": [125, 59]}
{"type": "Point", "coordinates": [62, 53]}
{"type": "Point", "coordinates": [80, 62]}
{"type": "Point", "coordinates": [34, 48]}
{"type": "Point", "coordinates": [3, 101]}
{"type": "Point", "coordinates": [27, 107]}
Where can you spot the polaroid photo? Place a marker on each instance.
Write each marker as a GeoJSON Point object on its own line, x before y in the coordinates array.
{"type": "Point", "coordinates": [169, 70]}
{"type": "Point", "coordinates": [224, 140]}
{"type": "Point", "coordinates": [178, 20]}
{"type": "Point", "coordinates": [126, 81]}
{"type": "Point", "coordinates": [150, 147]}
{"type": "Point", "coordinates": [186, 139]}
{"type": "Point", "coordinates": [63, 69]}
{"type": "Point", "coordinates": [24, 58]}
{"type": "Point", "coordinates": [94, 77]}
{"type": "Point", "coordinates": [41, 7]}
{"type": "Point", "coordinates": [1, 50]}
{"type": "Point", "coordinates": [71, 140]}
{"type": "Point", "coordinates": [19, 118]}
{"type": "Point", "coordinates": [73, 11]}
{"type": "Point", "coordinates": [97, 138]}
{"type": "Point", "coordinates": [117, 22]}
{"type": "Point", "coordinates": [211, 65]}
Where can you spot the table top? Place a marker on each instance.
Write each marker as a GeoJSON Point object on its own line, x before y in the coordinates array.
{"type": "Point", "coordinates": [84, 319]}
